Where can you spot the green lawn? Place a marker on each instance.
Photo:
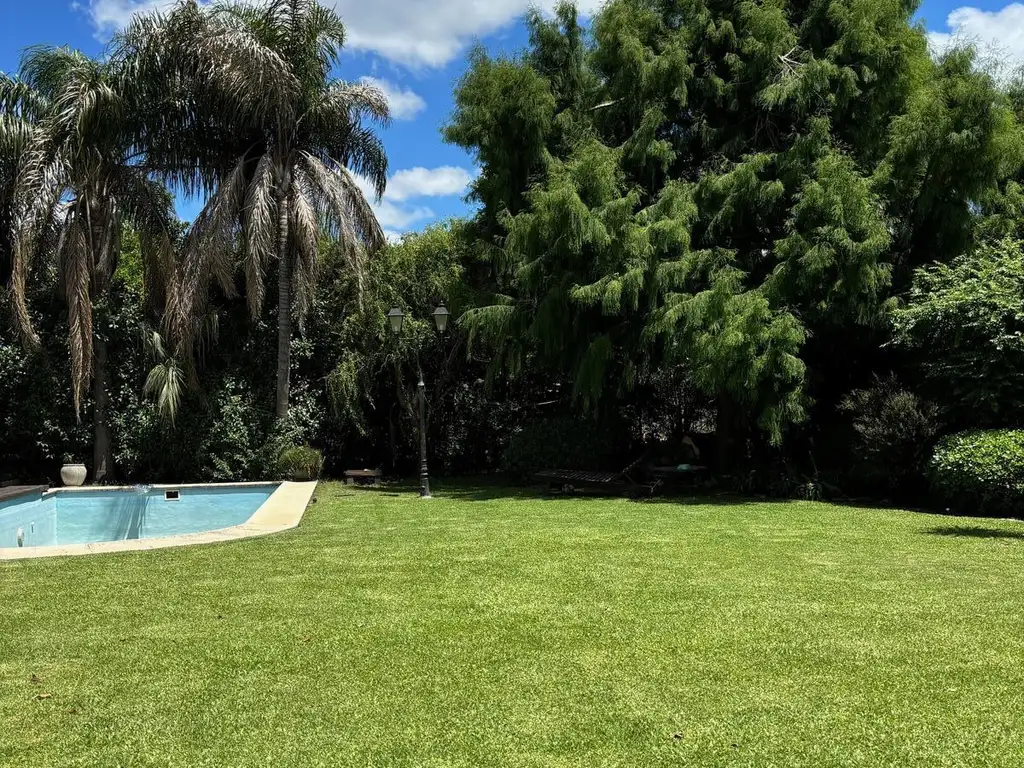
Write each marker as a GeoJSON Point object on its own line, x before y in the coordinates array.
{"type": "Point", "coordinates": [486, 630]}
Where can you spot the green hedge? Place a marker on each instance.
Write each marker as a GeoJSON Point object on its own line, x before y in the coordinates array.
{"type": "Point", "coordinates": [980, 472]}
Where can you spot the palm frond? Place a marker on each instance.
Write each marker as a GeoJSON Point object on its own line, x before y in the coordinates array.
{"type": "Point", "coordinates": [75, 257]}
{"type": "Point", "coordinates": [207, 253]}
{"type": "Point", "coordinates": [20, 100]}
{"type": "Point", "coordinates": [211, 241]}
{"type": "Point", "coordinates": [150, 209]}
{"type": "Point", "coordinates": [35, 207]}
{"type": "Point", "coordinates": [335, 123]}
{"type": "Point", "coordinates": [260, 226]}
{"type": "Point", "coordinates": [347, 214]}
{"type": "Point", "coordinates": [166, 380]}
{"type": "Point", "coordinates": [305, 236]}
{"type": "Point", "coordinates": [46, 69]}
{"type": "Point", "coordinates": [353, 101]}
{"type": "Point", "coordinates": [15, 137]}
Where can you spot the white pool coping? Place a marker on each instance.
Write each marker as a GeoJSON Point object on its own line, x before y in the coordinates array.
{"type": "Point", "coordinates": [281, 512]}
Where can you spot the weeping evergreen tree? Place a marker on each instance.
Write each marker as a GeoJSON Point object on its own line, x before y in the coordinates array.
{"type": "Point", "coordinates": [711, 185]}
{"type": "Point", "coordinates": [1003, 207]}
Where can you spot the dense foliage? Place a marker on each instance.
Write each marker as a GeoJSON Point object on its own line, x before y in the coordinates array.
{"type": "Point", "coordinates": [894, 430]}
{"type": "Point", "coordinates": [964, 324]}
{"type": "Point", "coordinates": [566, 442]}
{"type": "Point", "coordinates": [785, 230]}
{"type": "Point", "coordinates": [980, 472]}
{"type": "Point", "coordinates": [715, 185]}
{"type": "Point", "coordinates": [735, 189]}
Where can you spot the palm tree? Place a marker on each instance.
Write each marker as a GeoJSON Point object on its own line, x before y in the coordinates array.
{"type": "Point", "coordinates": [259, 110]}
{"type": "Point", "coordinates": [75, 185]}
{"type": "Point", "coordinates": [20, 107]}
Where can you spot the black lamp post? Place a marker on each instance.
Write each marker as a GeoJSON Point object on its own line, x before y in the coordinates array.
{"type": "Point", "coordinates": [396, 318]}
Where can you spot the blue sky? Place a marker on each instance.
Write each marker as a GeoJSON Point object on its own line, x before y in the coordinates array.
{"type": "Point", "coordinates": [416, 51]}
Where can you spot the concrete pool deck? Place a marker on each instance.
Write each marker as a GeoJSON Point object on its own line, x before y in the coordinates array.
{"type": "Point", "coordinates": [281, 512]}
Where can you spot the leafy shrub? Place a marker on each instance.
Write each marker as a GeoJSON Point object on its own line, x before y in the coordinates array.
{"type": "Point", "coordinates": [37, 422]}
{"type": "Point", "coordinates": [233, 446]}
{"type": "Point", "coordinates": [980, 472]}
{"type": "Point", "coordinates": [780, 479]}
{"type": "Point", "coordinates": [301, 462]}
{"type": "Point", "coordinates": [963, 324]}
{"type": "Point", "coordinates": [895, 430]}
{"type": "Point", "coordinates": [564, 442]}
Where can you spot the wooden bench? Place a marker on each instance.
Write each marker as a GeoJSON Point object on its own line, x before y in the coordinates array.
{"type": "Point", "coordinates": [372, 476]}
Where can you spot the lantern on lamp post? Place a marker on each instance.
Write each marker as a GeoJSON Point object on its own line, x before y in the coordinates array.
{"type": "Point", "coordinates": [396, 319]}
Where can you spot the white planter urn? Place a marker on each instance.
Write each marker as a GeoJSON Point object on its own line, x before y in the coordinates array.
{"type": "Point", "coordinates": [73, 474]}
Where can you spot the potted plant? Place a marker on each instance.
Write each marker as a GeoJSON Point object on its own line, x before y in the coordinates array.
{"type": "Point", "coordinates": [73, 472]}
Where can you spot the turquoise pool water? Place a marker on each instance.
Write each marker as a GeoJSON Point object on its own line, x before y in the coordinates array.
{"type": "Point", "coordinates": [83, 517]}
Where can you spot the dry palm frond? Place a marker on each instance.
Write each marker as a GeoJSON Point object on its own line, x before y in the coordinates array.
{"type": "Point", "coordinates": [75, 257]}
{"type": "Point", "coordinates": [73, 187]}
{"type": "Point", "coordinates": [346, 211]}
{"type": "Point", "coordinates": [207, 253]}
{"type": "Point", "coordinates": [260, 226]}
{"type": "Point", "coordinates": [305, 235]}
{"type": "Point", "coordinates": [36, 195]}
{"type": "Point", "coordinates": [334, 120]}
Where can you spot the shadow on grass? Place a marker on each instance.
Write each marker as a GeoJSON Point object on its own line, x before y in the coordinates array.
{"type": "Point", "coordinates": [975, 532]}
{"type": "Point", "coordinates": [494, 489]}
{"type": "Point", "coordinates": [699, 498]}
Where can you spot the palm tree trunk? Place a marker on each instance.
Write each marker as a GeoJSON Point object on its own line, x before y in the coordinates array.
{"type": "Point", "coordinates": [102, 451]}
{"type": "Point", "coordinates": [284, 304]}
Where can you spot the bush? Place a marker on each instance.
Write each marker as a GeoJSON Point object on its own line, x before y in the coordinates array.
{"type": "Point", "coordinates": [964, 327]}
{"type": "Point", "coordinates": [980, 472]}
{"type": "Point", "coordinates": [301, 463]}
{"type": "Point", "coordinates": [895, 431]}
{"type": "Point", "coordinates": [565, 442]}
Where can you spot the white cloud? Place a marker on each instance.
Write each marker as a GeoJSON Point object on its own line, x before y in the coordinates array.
{"type": "Point", "coordinates": [404, 103]}
{"type": "Point", "coordinates": [428, 182]}
{"type": "Point", "coordinates": [397, 212]}
{"type": "Point", "coordinates": [111, 15]}
{"type": "Point", "coordinates": [416, 33]}
{"type": "Point", "coordinates": [999, 34]}
{"type": "Point", "coordinates": [392, 216]}
{"type": "Point", "coordinates": [430, 32]}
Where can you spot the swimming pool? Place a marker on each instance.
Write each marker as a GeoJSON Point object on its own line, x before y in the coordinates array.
{"type": "Point", "coordinates": [85, 516]}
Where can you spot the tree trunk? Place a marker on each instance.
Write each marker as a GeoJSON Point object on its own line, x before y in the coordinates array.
{"type": "Point", "coordinates": [102, 452]}
{"type": "Point", "coordinates": [284, 306]}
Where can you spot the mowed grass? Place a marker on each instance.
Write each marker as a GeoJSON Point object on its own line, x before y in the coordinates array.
{"type": "Point", "coordinates": [482, 629]}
